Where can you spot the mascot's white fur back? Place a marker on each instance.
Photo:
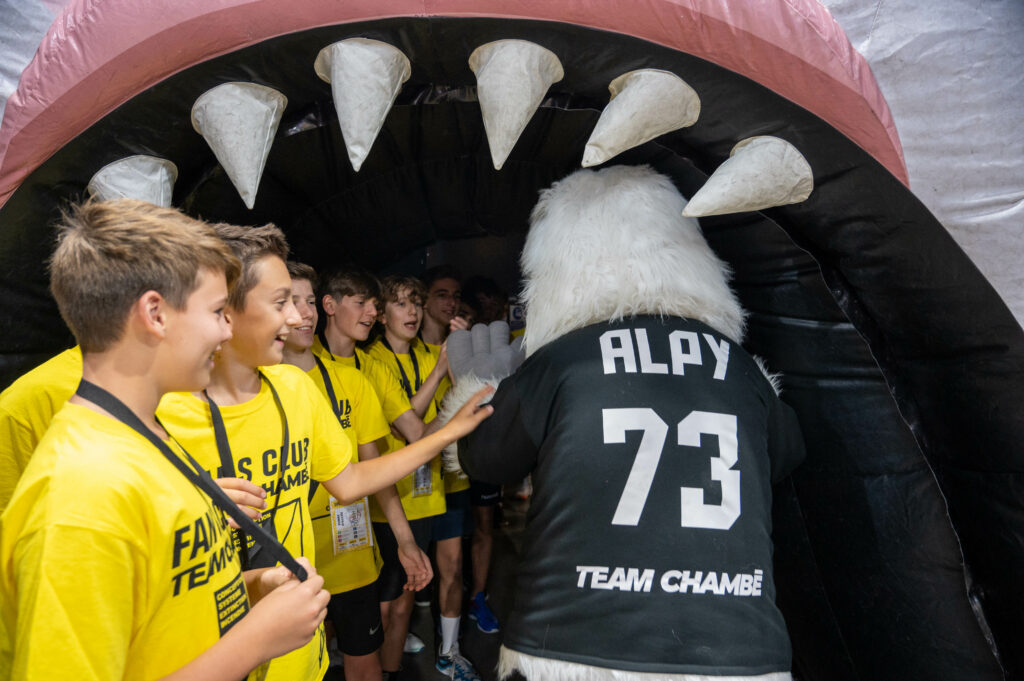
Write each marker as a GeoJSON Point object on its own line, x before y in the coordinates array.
{"type": "Point", "coordinates": [586, 261]}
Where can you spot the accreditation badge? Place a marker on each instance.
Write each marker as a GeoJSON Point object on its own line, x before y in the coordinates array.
{"type": "Point", "coordinates": [423, 481]}
{"type": "Point", "coordinates": [350, 526]}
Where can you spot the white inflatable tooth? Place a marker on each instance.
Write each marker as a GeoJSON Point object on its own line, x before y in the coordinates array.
{"type": "Point", "coordinates": [365, 77]}
{"type": "Point", "coordinates": [512, 77]}
{"type": "Point", "coordinates": [645, 104]}
{"type": "Point", "coordinates": [239, 121]}
{"type": "Point", "coordinates": [142, 177]}
{"type": "Point", "coordinates": [761, 172]}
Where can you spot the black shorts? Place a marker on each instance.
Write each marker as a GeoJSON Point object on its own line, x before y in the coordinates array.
{"type": "Point", "coordinates": [356, 617]}
{"type": "Point", "coordinates": [392, 576]}
{"type": "Point", "coordinates": [484, 493]}
{"type": "Point", "coordinates": [457, 521]}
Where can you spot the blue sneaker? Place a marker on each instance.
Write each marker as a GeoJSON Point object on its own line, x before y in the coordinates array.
{"type": "Point", "coordinates": [453, 665]}
{"type": "Point", "coordinates": [482, 614]}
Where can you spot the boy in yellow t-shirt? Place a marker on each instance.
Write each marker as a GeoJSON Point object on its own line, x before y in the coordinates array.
{"type": "Point", "coordinates": [26, 408]}
{"type": "Point", "coordinates": [440, 316]}
{"type": "Point", "coordinates": [347, 552]}
{"type": "Point", "coordinates": [424, 373]}
{"type": "Point", "coordinates": [349, 299]}
{"type": "Point", "coordinates": [113, 563]}
{"type": "Point", "coordinates": [276, 430]}
{"type": "Point", "coordinates": [28, 405]}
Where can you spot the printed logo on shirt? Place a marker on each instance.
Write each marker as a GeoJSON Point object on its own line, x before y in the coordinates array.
{"type": "Point", "coordinates": [232, 603]}
{"type": "Point", "coordinates": [639, 580]}
{"type": "Point", "coordinates": [344, 413]}
{"type": "Point", "coordinates": [269, 463]}
{"type": "Point", "coordinates": [204, 548]}
{"type": "Point", "coordinates": [280, 522]}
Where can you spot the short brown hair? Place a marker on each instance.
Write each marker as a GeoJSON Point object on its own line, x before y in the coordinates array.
{"type": "Point", "coordinates": [111, 252]}
{"type": "Point", "coordinates": [300, 270]}
{"type": "Point", "coordinates": [393, 284]}
{"type": "Point", "coordinates": [250, 245]}
{"type": "Point", "coordinates": [350, 281]}
{"type": "Point", "coordinates": [439, 272]}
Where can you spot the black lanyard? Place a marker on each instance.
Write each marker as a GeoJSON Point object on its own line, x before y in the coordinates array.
{"type": "Point", "coordinates": [227, 461]}
{"type": "Point", "coordinates": [409, 390]}
{"type": "Point", "coordinates": [195, 474]}
{"type": "Point", "coordinates": [327, 348]}
{"type": "Point", "coordinates": [335, 407]}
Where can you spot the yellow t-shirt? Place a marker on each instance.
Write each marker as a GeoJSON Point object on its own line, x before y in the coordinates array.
{"type": "Point", "coordinates": [318, 449]}
{"type": "Point", "coordinates": [454, 481]}
{"type": "Point", "coordinates": [26, 407]}
{"type": "Point", "coordinates": [427, 498]}
{"type": "Point", "coordinates": [393, 399]}
{"type": "Point", "coordinates": [346, 551]}
{"type": "Point", "coordinates": [112, 564]}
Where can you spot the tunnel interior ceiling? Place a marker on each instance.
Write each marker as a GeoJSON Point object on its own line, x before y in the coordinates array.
{"type": "Point", "coordinates": [896, 352]}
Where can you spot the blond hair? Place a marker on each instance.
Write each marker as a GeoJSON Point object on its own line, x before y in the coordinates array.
{"type": "Point", "coordinates": [111, 252]}
{"type": "Point", "coordinates": [250, 245]}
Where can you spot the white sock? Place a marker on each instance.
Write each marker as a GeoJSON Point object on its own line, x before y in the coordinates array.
{"type": "Point", "coordinates": [449, 632]}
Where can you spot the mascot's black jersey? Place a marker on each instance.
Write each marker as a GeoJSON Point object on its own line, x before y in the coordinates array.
{"type": "Point", "coordinates": [653, 445]}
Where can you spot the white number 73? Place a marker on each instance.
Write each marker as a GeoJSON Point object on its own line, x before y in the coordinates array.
{"type": "Point", "coordinates": [695, 513]}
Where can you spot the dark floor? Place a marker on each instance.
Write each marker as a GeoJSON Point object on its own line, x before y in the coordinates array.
{"type": "Point", "coordinates": [481, 649]}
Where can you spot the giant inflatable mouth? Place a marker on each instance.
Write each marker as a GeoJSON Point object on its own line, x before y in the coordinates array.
{"type": "Point", "coordinates": [896, 549]}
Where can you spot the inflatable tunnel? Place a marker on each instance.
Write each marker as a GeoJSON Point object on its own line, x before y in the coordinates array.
{"type": "Point", "coordinates": [898, 541]}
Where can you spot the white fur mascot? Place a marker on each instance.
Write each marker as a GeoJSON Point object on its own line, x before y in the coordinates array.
{"type": "Point", "coordinates": [653, 439]}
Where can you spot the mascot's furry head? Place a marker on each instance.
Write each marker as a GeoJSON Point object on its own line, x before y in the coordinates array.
{"type": "Point", "coordinates": [612, 243]}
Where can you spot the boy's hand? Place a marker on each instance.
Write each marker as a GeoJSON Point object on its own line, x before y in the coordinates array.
{"type": "Point", "coordinates": [442, 360]}
{"type": "Point", "coordinates": [458, 324]}
{"type": "Point", "coordinates": [271, 578]}
{"type": "Point", "coordinates": [416, 565]}
{"type": "Point", "coordinates": [287, 616]}
{"type": "Point", "coordinates": [249, 497]}
{"type": "Point", "coordinates": [470, 415]}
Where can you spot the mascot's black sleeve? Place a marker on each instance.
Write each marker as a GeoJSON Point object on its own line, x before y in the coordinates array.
{"type": "Point", "coordinates": [516, 456]}
{"type": "Point", "coordinates": [653, 444]}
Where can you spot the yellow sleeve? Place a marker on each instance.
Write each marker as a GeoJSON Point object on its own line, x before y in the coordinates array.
{"type": "Point", "coordinates": [76, 597]}
{"type": "Point", "coordinates": [17, 440]}
{"type": "Point", "coordinates": [368, 415]}
{"type": "Point", "coordinates": [393, 399]}
{"type": "Point", "coordinates": [26, 408]}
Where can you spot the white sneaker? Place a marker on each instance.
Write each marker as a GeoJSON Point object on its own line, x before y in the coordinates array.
{"type": "Point", "coordinates": [413, 644]}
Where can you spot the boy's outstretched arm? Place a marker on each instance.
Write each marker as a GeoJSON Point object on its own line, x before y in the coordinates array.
{"type": "Point", "coordinates": [362, 478]}
{"type": "Point", "coordinates": [414, 561]}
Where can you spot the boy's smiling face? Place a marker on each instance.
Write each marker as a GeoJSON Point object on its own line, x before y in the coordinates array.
{"type": "Point", "coordinates": [269, 315]}
{"type": "Point", "coordinates": [353, 316]}
{"type": "Point", "coordinates": [196, 332]}
{"type": "Point", "coordinates": [304, 300]}
{"type": "Point", "coordinates": [443, 300]}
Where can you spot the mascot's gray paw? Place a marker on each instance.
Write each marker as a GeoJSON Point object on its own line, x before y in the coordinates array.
{"type": "Point", "coordinates": [462, 390]}
{"type": "Point", "coordinates": [479, 357]}
{"type": "Point", "coordinates": [484, 351]}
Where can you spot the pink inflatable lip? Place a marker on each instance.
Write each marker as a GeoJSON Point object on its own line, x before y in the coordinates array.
{"type": "Point", "coordinates": [97, 56]}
